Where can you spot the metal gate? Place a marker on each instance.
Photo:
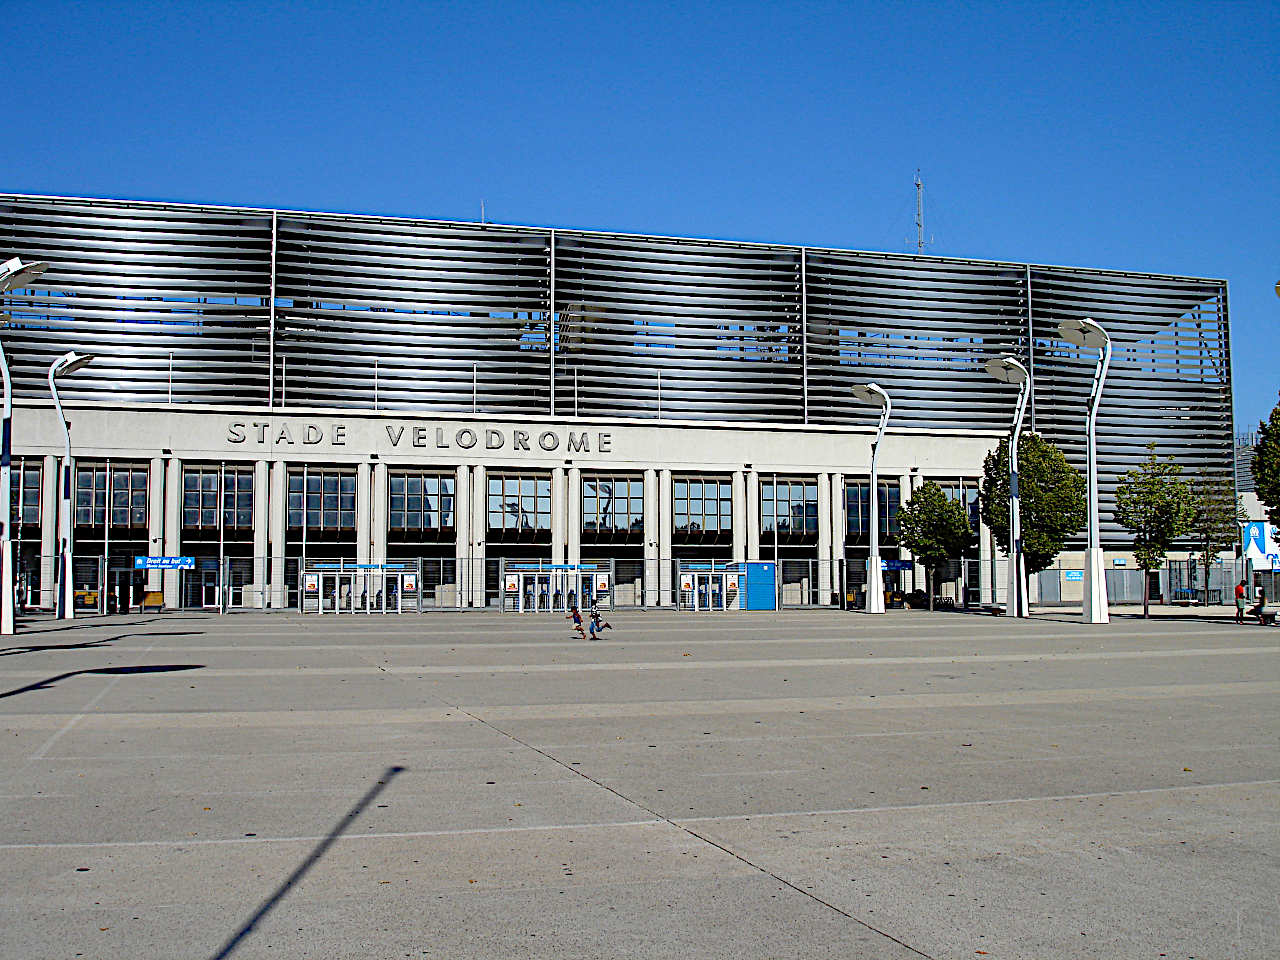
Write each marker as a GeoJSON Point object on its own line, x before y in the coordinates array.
{"type": "Point", "coordinates": [534, 586]}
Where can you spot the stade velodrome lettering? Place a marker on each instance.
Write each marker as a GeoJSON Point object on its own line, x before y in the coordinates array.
{"type": "Point", "coordinates": [400, 435]}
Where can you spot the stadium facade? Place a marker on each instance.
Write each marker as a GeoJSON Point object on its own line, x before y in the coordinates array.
{"type": "Point", "coordinates": [499, 410]}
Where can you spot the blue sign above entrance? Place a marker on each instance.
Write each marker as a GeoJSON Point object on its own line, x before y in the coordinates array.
{"type": "Point", "coordinates": [164, 563]}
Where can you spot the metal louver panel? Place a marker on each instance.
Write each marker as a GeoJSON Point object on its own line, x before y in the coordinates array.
{"type": "Point", "coordinates": [437, 317]}
{"type": "Point", "coordinates": [677, 329]}
{"type": "Point", "coordinates": [921, 329]}
{"type": "Point", "coordinates": [148, 289]}
{"type": "Point", "coordinates": [412, 316]}
{"type": "Point", "coordinates": [1169, 381]}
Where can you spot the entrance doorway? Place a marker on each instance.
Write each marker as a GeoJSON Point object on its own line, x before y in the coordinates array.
{"type": "Point", "coordinates": [535, 587]}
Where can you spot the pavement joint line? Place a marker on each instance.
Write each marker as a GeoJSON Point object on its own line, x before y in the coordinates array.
{"type": "Point", "coordinates": [579, 772]}
{"type": "Point", "coordinates": [950, 804]}
{"type": "Point", "coordinates": [693, 664]}
{"type": "Point", "coordinates": [48, 744]}
{"type": "Point", "coordinates": [692, 833]}
{"type": "Point", "coordinates": [656, 820]}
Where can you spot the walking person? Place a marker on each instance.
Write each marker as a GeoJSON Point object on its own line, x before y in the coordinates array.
{"type": "Point", "coordinates": [576, 617]}
{"type": "Point", "coordinates": [1242, 595]}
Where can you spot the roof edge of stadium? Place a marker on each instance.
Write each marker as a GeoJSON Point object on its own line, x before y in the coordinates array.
{"type": "Point", "coordinates": [758, 244]}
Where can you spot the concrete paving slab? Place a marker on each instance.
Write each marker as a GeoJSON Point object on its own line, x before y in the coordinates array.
{"type": "Point", "coordinates": [1091, 791]}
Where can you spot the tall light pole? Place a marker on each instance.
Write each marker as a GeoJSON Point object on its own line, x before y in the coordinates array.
{"type": "Point", "coordinates": [872, 395]}
{"type": "Point", "coordinates": [1088, 335]}
{"type": "Point", "coordinates": [66, 364]}
{"type": "Point", "coordinates": [14, 274]}
{"type": "Point", "coordinates": [1010, 370]}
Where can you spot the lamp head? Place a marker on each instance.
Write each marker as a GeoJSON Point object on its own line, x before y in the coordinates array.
{"type": "Point", "coordinates": [870, 394]}
{"type": "Point", "coordinates": [14, 273]}
{"type": "Point", "coordinates": [1007, 369]}
{"type": "Point", "coordinates": [1083, 333]}
{"type": "Point", "coordinates": [70, 362]}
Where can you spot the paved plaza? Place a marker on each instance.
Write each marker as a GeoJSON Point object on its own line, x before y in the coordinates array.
{"type": "Point", "coordinates": [807, 784]}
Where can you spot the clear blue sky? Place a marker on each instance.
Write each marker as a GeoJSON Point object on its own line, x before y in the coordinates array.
{"type": "Point", "coordinates": [1140, 136]}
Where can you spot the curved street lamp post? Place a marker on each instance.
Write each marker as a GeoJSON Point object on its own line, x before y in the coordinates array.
{"type": "Point", "coordinates": [872, 395]}
{"type": "Point", "coordinates": [65, 365]}
{"type": "Point", "coordinates": [1086, 334]}
{"type": "Point", "coordinates": [14, 275]}
{"type": "Point", "coordinates": [1010, 370]}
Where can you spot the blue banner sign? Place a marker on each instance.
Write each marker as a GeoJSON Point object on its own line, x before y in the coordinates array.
{"type": "Point", "coordinates": [897, 564]}
{"type": "Point", "coordinates": [1073, 576]}
{"type": "Point", "coordinates": [164, 563]}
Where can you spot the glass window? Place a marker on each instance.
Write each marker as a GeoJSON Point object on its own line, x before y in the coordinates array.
{"type": "Point", "coordinates": [24, 492]}
{"type": "Point", "coordinates": [127, 484]}
{"type": "Point", "coordinates": [329, 501]}
{"type": "Point", "coordinates": [858, 509]}
{"type": "Point", "coordinates": [613, 504]}
{"type": "Point", "coordinates": [703, 504]}
{"type": "Point", "coordinates": [789, 507]}
{"type": "Point", "coordinates": [411, 509]}
{"type": "Point", "coordinates": [519, 502]}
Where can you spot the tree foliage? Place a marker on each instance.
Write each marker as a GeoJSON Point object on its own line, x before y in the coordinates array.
{"type": "Point", "coordinates": [1156, 505]}
{"type": "Point", "coordinates": [934, 528]}
{"type": "Point", "coordinates": [1051, 499]}
{"type": "Point", "coordinates": [1266, 464]}
{"type": "Point", "coordinates": [1216, 524]}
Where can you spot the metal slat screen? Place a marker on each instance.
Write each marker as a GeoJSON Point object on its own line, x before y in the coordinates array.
{"type": "Point", "coordinates": [149, 289]}
{"type": "Point", "coordinates": [436, 317]}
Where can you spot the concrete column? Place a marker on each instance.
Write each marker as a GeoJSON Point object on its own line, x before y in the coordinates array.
{"type": "Point", "coordinates": [48, 530]}
{"type": "Point", "coordinates": [362, 512]}
{"type": "Point", "coordinates": [261, 529]}
{"type": "Point", "coordinates": [984, 565]}
{"type": "Point", "coordinates": [277, 512]}
{"type": "Point", "coordinates": [824, 538]}
{"type": "Point", "coordinates": [753, 515]}
{"type": "Point", "coordinates": [479, 532]}
{"type": "Point", "coordinates": [173, 530]}
{"type": "Point", "coordinates": [664, 538]}
{"type": "Point", "coordinates": [378, 515]}
{"type": "Point", "coordinates": [462, 532]}
{"type": "Point", "coordinates": [155, 519]}
{"type": "Point", "coordinates": [838, 507]}
{"type": "Point", "coordinates": [559, 515]}
{"type": "Point", "coordinates": [739, 516]}
{"type": "Point", "coordinates": [575, 514]}
{"type": "Point", "coordinates": [917, 572]}
{"type": "Point", "coordinates": [651, 538]}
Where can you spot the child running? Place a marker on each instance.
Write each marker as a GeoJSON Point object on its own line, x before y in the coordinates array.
{"type": "Point", "coordinates": [598, 624]}
{"type": "Point", "coordinates": [576, 617]}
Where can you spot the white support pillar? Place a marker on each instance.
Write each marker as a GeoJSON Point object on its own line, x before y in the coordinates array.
{"type": "Point", "coordinates": [651, 538]}
{"type": "Point", "coordinates": [739, 516]}
{"type": "Point", "coordinates": [753, 515]}
{"type": "Point", "coordinates": [173, 530]}
{"type": "Point", "coordinates": [479, 531]}
{"type": "Point", "coordinates": [824, 539]}
{"type": "Point", "coordinates": [986, 594]}
{"type": "Point", "coordinates": [575, 515]}
{"type": "Point", "coordinates": [917, 572]}
{"type": "Point", "coordinates": [155, 519]}
{"type": "Point", "coordinates": [559, 515]}
{"type": "Point", "coordinates": [664, 538]}
{"type": "Point", "coordinates": [462, 533]}
{"type": "Point", "coordinates": [363, 480]}
{"type": "Point", "coordinates": [378, 515]}
{"type": "Point", "coordinates": [48, 531]}
{"type": "Point", "coordinates": [838, 532]}
{"type": "Point", "coordinates": [261, 530]}
{"type": "Point", "coordinates": [277, 510]}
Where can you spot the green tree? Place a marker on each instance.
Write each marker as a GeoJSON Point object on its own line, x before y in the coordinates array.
{"type": "Point", "coordinates": [1266, 464]}
{"type": "Point", "coordinates": [933, 528]}
{"type": "Point", "coordinates": [1051, 499]}
{"type": "Point", "coordinates": [1155, 504]}
{"type": "Point", "coordinates": [1216, 524]}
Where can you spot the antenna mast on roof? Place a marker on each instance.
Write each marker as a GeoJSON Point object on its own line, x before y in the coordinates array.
{"type": "Point", "coordinates": [920, 240]}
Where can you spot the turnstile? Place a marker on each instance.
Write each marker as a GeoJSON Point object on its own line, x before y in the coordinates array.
{"type": "Point", "coordinates": [536, 588]}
